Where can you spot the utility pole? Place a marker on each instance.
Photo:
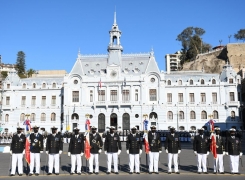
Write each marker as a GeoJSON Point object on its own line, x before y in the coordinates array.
{"type": "Point", "coordinates": [229, 38]}
{"type": "Point", "coordinates": [220, 42]}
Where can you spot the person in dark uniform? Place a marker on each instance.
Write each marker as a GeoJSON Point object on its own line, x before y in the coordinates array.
{"type": "Point", "coordinates": [220, 150]}
{"type": "Point", "coordinates": [201, 148]}
{"type": "Point", "coordinates": [36, 147]}
{"type": "Point", "coordinates": [54, 148]}
{"type": "Point", "coordinates": [173, 148]}
{"type": "Point", "coordinates": [96, 144]}
{"type": "Point", "coordinates": [17, 149]}
{"type": "Point", "coordinates": [134, 149]}
{"type": "Point", "coordinates": [112, 148]}
{"type": "Point", "coordinates": [233, 148]}
{"type": "Point", "coordinates": [76, 150]}
{"type": "Point", "coordinates": [155, 148]}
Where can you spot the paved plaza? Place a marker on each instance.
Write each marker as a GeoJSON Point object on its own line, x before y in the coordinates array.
{"type": "Point", "coordinates": [188, 166]}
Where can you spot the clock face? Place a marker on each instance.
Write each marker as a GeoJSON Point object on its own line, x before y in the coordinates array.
{"type": "Point", "coordinates": [113, 73]}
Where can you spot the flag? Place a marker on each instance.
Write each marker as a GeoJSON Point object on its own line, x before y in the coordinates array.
{"type": "Point", "coordinates": [100, 84]}
{"type": "Point", "coordinates": [211, 124]}
{"type": "Point", "coordinates": [27, 145]}
{"type": "Point", "coordinates": [145, 124]}
{"type": "Point", "coordinates": [213, 145]}
{"type": "Point", "coordinates": [87, 142]}
{"type": "Point", "coordinates": [145, 136]}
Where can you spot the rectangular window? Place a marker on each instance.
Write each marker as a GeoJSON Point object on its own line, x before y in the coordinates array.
{"type": "Point", "coordinates": [232, 96]}
{"type": "Point", "coordinates": [33, 101]}
{"type": "Point", "coordinates": [53, 101]}
{"type": "Point", "coordinates": [153, 94]}
{"type": "Point", "coordinates": [230, 81]}
{"type": "Point", "coordinates": [7, 100]}
{"type": "Point", "coordinates": [203, 98]}
{"type": "Point", "coordinates": [91, 99]}
{"type": "Point", "coordinates": [101, 95]}
{"type": "Point", "coordinates": [8, 86]}
{"type": "Point", "coordinates": [214, 98]}
{"type": "Point", "coordinates": [23, 100]}
{"type": "Point", "coordinates": [192, 98]}
{"type": "Point", "coordinates": [43, 103]}
{"type": "Point", "coordinates": [180, 96]}
{"type": "Point", "coordinates": [126, 96]}
{"type": "Point", "coordinates": [113, 95]}
{"type": "Point", "coordinates": [75, 96]}
{"type": "Point", "coordinates": [169, 97]}
{"type": "Point", "coordinates": [136, 95]}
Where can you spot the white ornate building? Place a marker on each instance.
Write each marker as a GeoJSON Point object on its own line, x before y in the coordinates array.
{"type": "Point", "coordinates": [118, 89]}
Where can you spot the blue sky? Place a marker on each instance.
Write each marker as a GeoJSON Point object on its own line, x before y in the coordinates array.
{"type": "Point", "coordinates": [50, 32]}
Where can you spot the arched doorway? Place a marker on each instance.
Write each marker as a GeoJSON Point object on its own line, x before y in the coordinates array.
{"type": "Point", "coordinates": [153, 118]}
{"type": "Point", "coordinates": [113, 120]}
{"type": "Point", "coordinates": [101, 122]}
{"type": "Point", "coordinates": [126, 121]}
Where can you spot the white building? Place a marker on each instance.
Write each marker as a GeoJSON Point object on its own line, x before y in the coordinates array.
{"type": "Point", "coordinates": [173, 62]}
{"type": "Point", "coordinates": [119, 90]}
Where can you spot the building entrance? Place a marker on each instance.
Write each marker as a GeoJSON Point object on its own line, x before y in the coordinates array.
{"type": "Point", "coordinates": [113, 120]}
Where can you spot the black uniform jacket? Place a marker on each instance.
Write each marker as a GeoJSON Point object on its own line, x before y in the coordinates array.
{"type": "Point", "coordinates": [54, 144]}
{"type": "Point", "coordinates": [96, 143]}
{"type": "Point", "coordinates": [233, 146]}
{"type": "Point", "coordinates": [18, 143]}
{"type": "Point", "coordinates": [76, 145]}
{"type": "Point", "coordinates": [201, 145]}
{"type": "Point", "coordinates": [172, 143]}
{"type": "Point", "coordinates": [112, 143]}
{"type": "Point", "coordinates": [154, 142]}
{"type": "Point", "coordinates": [36, 143]}
{"type": "Point", "coordinates": [220, 144]}
{"type": "Point", "coordinates": [133, 143]}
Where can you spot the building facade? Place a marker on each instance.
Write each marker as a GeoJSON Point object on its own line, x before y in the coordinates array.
{"type": "Point", "coordinates": [123, 90]}
{"type": "Point", "coordinates": [173, 62]}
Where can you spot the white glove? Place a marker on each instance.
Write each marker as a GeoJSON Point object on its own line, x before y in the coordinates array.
{"type": "Point", "coordinates": [208, 153]}
{"type": "Point", "coordinates": [60, 152]}
{"type": "Point", "coordinates": [166, 151]}
{"type": "Point", "coordinates": [240, 153]}
{"type": "Point", "coordinates": [41, 151]}
{"type": "Point", "coordinates": [105, 152]}
{"type": "Point", "coordinates": [82, 154]}
{"type": "Point", "coordinates": [160, 151]}
{"type": "Point", "coordinates": [46, 152]}
{"type": "Point", "coordinates": [179, 151]}
{"type": "Point", "coordinates": [10, 152]}
{"type": "Point", "coordinates": [140, 151]}
{"type": "Point", "coordinates": [24, 151]}
{"type": "Point", "coordinates": [119, 152]}
{"type": "Point", "coordinates": [99, 151]}
{"type": "Point", "coordinates": [226, 153]}
{"type": "Point", "coordinates": [195, 153]}
{"type": "Point", "coordinates": [69, 154]}
{"type": "Point", "coordinates": [127, 151]}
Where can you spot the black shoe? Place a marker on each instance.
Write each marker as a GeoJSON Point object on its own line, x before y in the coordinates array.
{"type": "Point", "coordinates": [169, 172]}
{"type": "Point", "coordinates": [12, 175]}
{"type": "Point", "coordinates": [20, 174]}
{"type": "Point", "coordinates": [215, 173]}
{"type": "Point", "coordinates": [30, 174]}
{"type": "Point", "coordinates": [96, 173]}
{"type": "Point", "coordinates": [130, 173]}
{"type": "Point", "coordinates": [71, 173]}
{"type": "Point", "coordinates": [108, 172]}
{"type": "Point", "coordinates": [56, 174]}
{"type": "Point", "coordinates": [79, 173]}
{"type": "Point", "coordinates": [49, 174]}
{"type": "Point", "coordinates": [36, 174]}
{"type": "Point", "coordinates": [232, 173]}
{"type": "Point", "coordinates": [206, 173]}
{"type": "Point", "coordinates": [222, 173]}
{"type": "Point", "coordinates": [116, 173]}
{"type": "Point", "coordinates": [138, 173]}
{"type": "Point", "coordinates": [150, 172]}
{"type": "Point", "coordinates": [237, 173]}
{"type": "Point", "coordinates": [199, 173]}
{"type": "Point", "coordinates": [177, 172]}
{"type": "Point", "coordinates": [90, 173]}
{"type": "Point", "coordinates": [156, 172]}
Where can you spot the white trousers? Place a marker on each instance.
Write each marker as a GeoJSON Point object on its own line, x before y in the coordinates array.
{"type": "Point", "coordinates": [134, 159]}
{"type": "Point", "coordinates": [53, 161]}
{"type": "Point", "coordinates": [76, 158]}
{"type": "Point", "coordinates": [202, 162]}
{"type": "Point", "coordinates": [153, 161]}
{"type": "Point", "coordinates": [17, 157]}
{"type": "Point", "coordinates": [218, 163]}
{"type": "Point", "coordinates": [109, 159]}
{"type": "Point", "coordinates": [234, 163]}
{"type": "Point", "coordinates": [175, 158]}
{"type": "Point", "coordinates": [94, 158]}
{"type": "Point", "coordinates": [35, 157]}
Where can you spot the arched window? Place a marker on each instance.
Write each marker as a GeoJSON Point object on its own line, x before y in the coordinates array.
{"type": "Point", "coordinates": [233, 115]}
{"type": "Point", "coordinates": [74, 116]}
{"type": "Point", "coordinates": [213, 81]}
{"type": "Point", "coordinates": [24, 86]}
{"type": "Point", "coordinates": [193, 128]}
{"type": "Point", "coordinates": [101, 122]}
{"type": "Point", "coordinates": [33, 117]}
{"type": "Point", "coordinates": [170, 115]}
{"type": "Point", "coordinates": [153, 115]}
{"type": "Point", "coordinates": [6, 118]}
{"type": "Point", "coordinates": [54, 85]}
{"type": "Point", "coordinates": [181, 115]}
{"type": "Point", "coordinates": [43, 117]}
{"type": "Point", "coordinates": [192, 115]}
{"type": "Point", "coordinates": [181, 128]}
{"type": "Point", "coordinates": [191, 82]}
{"type": "Point", "coordinates": [126, 121]}
{"type": "Point", "coordinates": [44, 85]}
{"type": "Point", "coordinates": [180, 82]}
{"type": "Point", "coordinates": [215, 115]}
{"type": "Point", "coordinates": [53, 117]}
{"type": "Point", "coordinates": [202, 81]}
{"type": "Point", "coordinates": [204, 115]}
{"type": "Point", "coordinates": [169, 82]}
{"type": "Point", "coordinates": [34, 85]}
{"type": "Point", "coordinates": [22, 117]}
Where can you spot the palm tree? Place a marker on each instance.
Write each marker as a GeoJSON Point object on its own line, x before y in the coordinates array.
{"type": "Point", "coordinates": [30, 72]}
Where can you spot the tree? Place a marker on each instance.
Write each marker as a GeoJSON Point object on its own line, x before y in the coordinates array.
{"type": "Point", "coordinates": [30, 72]}
{"type": "Point", "coordinates": [4, 74]}
{"type": "Point", "coordinates": [20, 63]}
{"type": "Point", "coordinates": [240, 35]}
{"type": "Point", "coordinates": [192, 43]}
